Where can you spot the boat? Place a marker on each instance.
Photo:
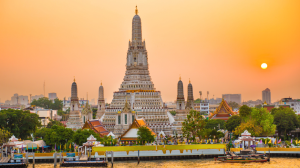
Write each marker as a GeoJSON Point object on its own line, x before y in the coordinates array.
{"type": "Point", "coordinates": [232, 157]}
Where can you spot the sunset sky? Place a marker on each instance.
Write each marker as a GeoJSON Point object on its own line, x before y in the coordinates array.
{"type": "Point", "coordinates": [218, 44]}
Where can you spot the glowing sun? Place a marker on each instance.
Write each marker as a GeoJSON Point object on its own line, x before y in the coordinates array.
{"type": "Point", "coordinates": [264, 66]}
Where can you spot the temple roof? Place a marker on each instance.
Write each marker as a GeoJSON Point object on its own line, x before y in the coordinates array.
{"type": "Point", "coordinates": [96, 126]}
{"type": "Point", "coordinates": [223, 112]}
{"type": "Point", "coordinates": [131, 133]}
{"type": "Point", "coordinates": [87, 109]}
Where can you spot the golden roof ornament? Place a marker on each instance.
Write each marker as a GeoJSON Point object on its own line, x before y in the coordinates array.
{"type": "Point", "coordinates": [101, 82]}
{"type": "Point", "coordinates": [136, 10]}
{"type": "Point", "coordinates": [179, 77]}
{"type": "Point", "coordinates": [74, 78]}
{"type": "Point", "coordinates": [189, 80]}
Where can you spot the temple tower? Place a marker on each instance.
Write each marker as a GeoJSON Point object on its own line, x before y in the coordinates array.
{"type": "Point", "coordinates": [137, 88]}
{"type": "Point", "coordinates": [101, 102]}
{"type": "Point", "coordinates": [180, 96]}
{"type": "Point", "coordinates": [87, 112]}
{"type": "Point", "coordinates": [190, 99]}
{"type": "Point", "coordinates": [74, 122]}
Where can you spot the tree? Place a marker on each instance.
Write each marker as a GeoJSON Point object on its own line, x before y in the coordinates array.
{"type": "Point", "coordinates": [245, 111]}
{"type": "Point", "coordinates": [56, 105]}
{"type": "Point", "coordinates": [233, 105]}
{"type": "Point", "coordinates": [233, 122]}
{"type": "Point", "coordinates": [80, 136]}
{"type": "Point", "coordinates": [54, 122]}
{"type": "Point", "coordinates": [285, 119]}
{"type": "Point", "coordinates": [173, 112]}
{"type": "Point", "coordinates": [215, 124]}
{"type": "Point", "coordinates": [94, 112]}
{"type": "Point", "coordinates": [193, 124]}
{"type": "Point", "coordinates": [258, 106]}
{"type": "Point", "coordinates": [4, 136]}
{"type": "Point", "coordinates": [18, 122]}
{"type": "Point", "coordinates": [44, 102]}
{"type": "Point", "coordinates": [259, 122]}
{"type": "Point", "coordinates": [197, 100]}
{"type": "Point", "coordinates": [144, 134]}
{"type": "Point", "coordinates": [58, 135]}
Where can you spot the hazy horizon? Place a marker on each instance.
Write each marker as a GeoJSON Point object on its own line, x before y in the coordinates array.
{"type": "Point", "coordinates": [218, 45]}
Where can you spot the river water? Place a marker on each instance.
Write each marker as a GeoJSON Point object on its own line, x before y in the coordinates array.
{"type": "Point", "coordinates": [283, 162]}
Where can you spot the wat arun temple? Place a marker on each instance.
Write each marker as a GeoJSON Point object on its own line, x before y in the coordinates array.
{"type": "Point", "coordinates": [137, 97]}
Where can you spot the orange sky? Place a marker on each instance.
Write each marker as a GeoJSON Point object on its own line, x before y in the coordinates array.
{"type": "Point", "coordinates": [218, 44]}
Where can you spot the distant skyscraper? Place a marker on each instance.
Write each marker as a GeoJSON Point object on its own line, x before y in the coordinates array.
{"type": "Point", "coordinates": [266, 96]}
{"type": "Point", "coordinates": [19, 99]}
{"type": "Point", "coordinates": [52, 96]}
{"type": "Point", "coordinates": [232, 98]}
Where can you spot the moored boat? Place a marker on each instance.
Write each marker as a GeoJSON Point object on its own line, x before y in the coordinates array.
{"type": "Point", "coordinates": [231, 157]}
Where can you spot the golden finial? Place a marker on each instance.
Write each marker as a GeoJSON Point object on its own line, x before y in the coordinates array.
{"type": "Point", "coordinates": [136, 10]}
{"type": "Point", "coordinates": [74, 78]}
{"type": "Point", "coordinates": [179, 77]}
{"type": "Point", "coordinates": [101, 82]}
{"type": "Point", "coordinates": [189, 80]}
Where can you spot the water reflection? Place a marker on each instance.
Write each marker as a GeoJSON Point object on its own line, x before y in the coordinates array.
{"type": "Point", "coordinates": [209, 163]}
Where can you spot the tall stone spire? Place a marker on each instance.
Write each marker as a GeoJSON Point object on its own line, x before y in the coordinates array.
{"type": "Point", "coordinates": [190, 99]}
{"type": "Point", "coordinates": [101, 102]}
{"type": "Point", "coordinates": [136, 29]}
{"type": "Point", "coordinates": [180, 96]}
{"type": "Point", "coordinates": [74, 96]}
{"type": "Point", "coordinates": [74, 122]}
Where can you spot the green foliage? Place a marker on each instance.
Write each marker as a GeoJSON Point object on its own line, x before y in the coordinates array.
{"type": "Point", "coordinates": [58, 135]}
{"type": "Point", "coordinates": [233, 122]}
{"type": "Point", "coordinates": [288, 143]}
{"type": "Point", "coordinates": [285, 119]}
{"type": "Point", "coordinates": [61, 113]}
{"type": "Point", "coordinates": [144, 134]}
{"type": "Point", "coordinates": [193, 124]}
{"type": "Point", "coordinates": [173, 112]}
{"type": "Point", "coordinates": [259, 122]}
{"type": "Point", "coordinates": [57, 104]}
{"type": "Point", "coordinates": [54, 122]}
{"type": "Point", "coordinates": [80, 136]}
{"type": "Point", "coordinates": [245, 111]}
{"type": "Point", "coordinates": [94, 112]}
{"type": "Point", "coordinates": [197, 100]}
{"type": "Point", "coordinates": [233, 105]}
{"type": "Point", "coordinates": [4, 136]}
{"type": "Point", "coordinates": [19, 123]}
{"type": "Point", "coordinates": [258, 106]}
{"type": "Point", "coordinates": [206, 133]}
{"type": "Point", "coordinates": [265, 120]}
{"type": "Point", "coordinates": [220, 134]}
{"type": "Point", "coordinates": [44, 102]}
{"type": "Point", "coordinates": [215, 123]}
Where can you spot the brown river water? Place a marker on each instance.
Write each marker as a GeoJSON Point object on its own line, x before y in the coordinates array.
{"type": "Point", "coordinates": [209, 163]}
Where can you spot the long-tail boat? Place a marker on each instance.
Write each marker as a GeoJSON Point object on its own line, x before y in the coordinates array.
{"type": "Point", "coordinates": [231, 157]}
